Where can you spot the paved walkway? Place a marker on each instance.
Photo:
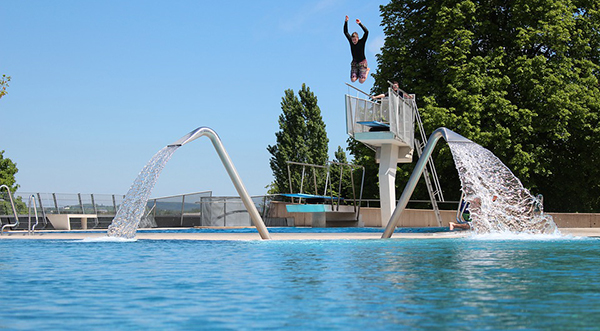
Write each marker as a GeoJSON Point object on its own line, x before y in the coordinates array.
{"type": "Point", "coordinates": [580, 232]}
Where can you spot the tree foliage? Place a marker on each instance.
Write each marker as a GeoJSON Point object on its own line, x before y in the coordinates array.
{"type": "Point", "coordinates": [8, 170]}
{"type": "Point", "coordinates": [520, 78]}
{"type": "Point", "coordinates": [301, 138]}
{"type": "Point", "coordinates": [3, 85]}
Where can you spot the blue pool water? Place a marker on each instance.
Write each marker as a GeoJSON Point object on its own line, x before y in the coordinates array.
{"type": "Point", "coordinates": [458, 284]}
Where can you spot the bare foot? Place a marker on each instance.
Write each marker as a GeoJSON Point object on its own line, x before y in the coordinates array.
{"type": "Point", "coordinates": [451, 226]}
{"type": "Point", "coordinates": [362, 80]}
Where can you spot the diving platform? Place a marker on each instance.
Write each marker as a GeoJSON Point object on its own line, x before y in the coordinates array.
{"type": "Point", "coordinates": [328, 209]}
{"type": "Point", "coordinates": [389, 121]}
{"type": "Point", "coordinates": [387, 126]}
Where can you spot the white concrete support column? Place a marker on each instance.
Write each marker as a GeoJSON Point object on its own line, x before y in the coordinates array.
{"type": "Point", "coordinates": [387, 181]}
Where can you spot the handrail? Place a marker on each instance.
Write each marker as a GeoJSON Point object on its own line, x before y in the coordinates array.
{"type": "Point", "coordinates": [12, 204]}
{"type": "Point", "coordinates": [461, 207]}
{"type": "Point", "coordinates": [352, 168]}
{"type": "Point", "coordinates": [30, 229]}
{"type": "Point", "coordinates": [359, 90]}
{"type": "Point", "coordinates": [416, 174]}
{"type": "Point", "coordinates": [235, 178]}
{"type": "Point", "coordinates": [44, 211]}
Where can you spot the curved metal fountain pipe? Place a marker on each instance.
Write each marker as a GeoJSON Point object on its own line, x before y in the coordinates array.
{"type": "Point", "coordinates": [235, 178]}
{"type": "Point", "coordinates": [12, 204]}
{"type": "Point", "coordinates": [450, 136]}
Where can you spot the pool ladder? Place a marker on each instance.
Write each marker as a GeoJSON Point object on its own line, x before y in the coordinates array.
{"type": "Point", "coordinates": [30, 228]}
{"type": "Point", "coordinates": [12, 204]}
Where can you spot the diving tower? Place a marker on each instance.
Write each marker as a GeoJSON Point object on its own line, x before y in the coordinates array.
{"type": "Point", "coordinates": [388, 128]}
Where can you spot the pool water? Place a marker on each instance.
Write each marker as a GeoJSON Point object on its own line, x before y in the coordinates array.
{"type": "Point", "coordinates": [461, 284]}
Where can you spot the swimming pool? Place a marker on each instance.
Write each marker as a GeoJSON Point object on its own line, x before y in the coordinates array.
{"type": "Point", "coordinates": [460, 283]}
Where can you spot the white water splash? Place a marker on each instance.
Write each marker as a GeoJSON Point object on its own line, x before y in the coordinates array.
{"type": "Point", "coordinates": [126, 222]}
{"type": "Point", "coordinates": [498, 201]}
{"type": "Point", "coordinates": [506, 236]}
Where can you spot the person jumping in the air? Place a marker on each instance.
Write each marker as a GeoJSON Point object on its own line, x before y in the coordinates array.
{"type": "Point", "coordinates": [358, 67]}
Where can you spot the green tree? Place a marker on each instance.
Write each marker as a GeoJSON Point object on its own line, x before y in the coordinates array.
{"type": "Point", "coordinates": [520, 78]}
{"type": "Point", "coordinates": [3, 85]}
{"type": "Point", "coordinates": [8, 170]}
{"type": "Point", "coordinates": [342, 185]}
{"type": "Point", "coordinates": [301, 138]}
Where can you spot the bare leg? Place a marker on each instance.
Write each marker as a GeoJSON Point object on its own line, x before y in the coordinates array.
{"type": "Point", "coordinates": [463, 226]}
{"type": "Point", "coordinates": [362, 80]}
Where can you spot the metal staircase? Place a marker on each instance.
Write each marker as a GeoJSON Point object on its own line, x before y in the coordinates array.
{"type": "Point", "coordinates": [431, 178]}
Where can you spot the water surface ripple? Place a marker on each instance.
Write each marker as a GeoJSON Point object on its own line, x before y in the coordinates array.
{"type": "Point", "coordinates": [460, 284]}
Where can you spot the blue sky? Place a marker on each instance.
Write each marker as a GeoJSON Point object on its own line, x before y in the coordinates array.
{"type": "Point", "coordinates": [98, 87]}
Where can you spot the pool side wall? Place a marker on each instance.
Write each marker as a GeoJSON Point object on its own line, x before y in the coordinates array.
{"type": "Point", "coordinates": [371, 217]}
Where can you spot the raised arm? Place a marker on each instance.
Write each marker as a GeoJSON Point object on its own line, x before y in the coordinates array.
{"type": "Point", "coordinates": [366, 32]}
{"type": "Point", "coordinates": [348, 36]}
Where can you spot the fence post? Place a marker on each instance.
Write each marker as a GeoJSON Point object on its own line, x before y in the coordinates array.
{"type": "Point", "coordinates": [43, 210]}
{"type": "Point", "coordinates": [94, 204]}
{"type": "Point", "coordinates": [55, 203]}
{"type": "Point", "coordinates": [114, 204]}
{"type": "Point", "coordinates": [225, 212]}
{"type": "Point", "coordinates": [81, 203]}
{"type": "Point", "coordinates": [182, 208]}
{"type": "Point", "coordinates": [95, 211]}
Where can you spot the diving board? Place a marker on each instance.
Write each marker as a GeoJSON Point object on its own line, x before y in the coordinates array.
{"type": "Point", "coordinates": [309, 196]}
{"type": "Point", "coordinates": [374, 124]}
{"type": "Point", "coordinates": [308, 208]}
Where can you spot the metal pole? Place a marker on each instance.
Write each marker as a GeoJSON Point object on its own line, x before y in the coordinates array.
{"type": "Point", "coordinates": [411, 184]}
{"type": "Point", "coordinates": [94, 203]}
{"type": "Point", "coordinates": [114, 203]}
{"type": "Point", "coordinates": [353, 189]}
{"type": "Point", "coordinates": [290, 178]}
{"type": "Point", "coordinates": [43, 211]}
{"type": "Point", "coordinates": [363, 92]}
{"type": "Point", "coordinates": [182, 208]}
{"type": "Point", "coordinates": [55, 203]}
{"type": "Point", "coordinates": [414, 177]}
{"type": "Point", "coordinates": [233, 174]}
{"type": "Point", "coordinates": [81, 203]}
{"type": "Point", "coordinates": [315, 179]}
{"type": "Point", "coordinates": [225, 212]}
{"type": "Point", "coordinates": [97, 221]}
{"type": "Point", "coordinates": [12, 204]}
{"type": "Point", "coordinates": [340, 186]}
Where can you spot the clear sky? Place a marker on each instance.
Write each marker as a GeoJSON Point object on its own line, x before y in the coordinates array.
{"type": "Point", "coordinates": [98, 87]}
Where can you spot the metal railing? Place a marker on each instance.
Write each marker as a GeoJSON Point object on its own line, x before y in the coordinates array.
{"type": "Point", "coordinates": [76, 203]}
{"type": "Point", "coordinates": [31, 229]}
{"type": "Point", "coordinates": [327, 182]}
{"type": "Point", "coordinates": [396, 111]}
{"type": "Point", "coordinates": [14, 210]}
{"type": "Point", "coordinates": [205, 210]}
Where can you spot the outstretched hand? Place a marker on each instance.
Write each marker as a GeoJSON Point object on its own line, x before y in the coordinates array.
{"type": "Point", "coordinates": [357, 21]}
{"type": "Point", "coordinates": [346, 18]}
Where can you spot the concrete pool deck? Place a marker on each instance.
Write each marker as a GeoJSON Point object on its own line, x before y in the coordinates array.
{"type": "Point", "coordinates": [79, 235]}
